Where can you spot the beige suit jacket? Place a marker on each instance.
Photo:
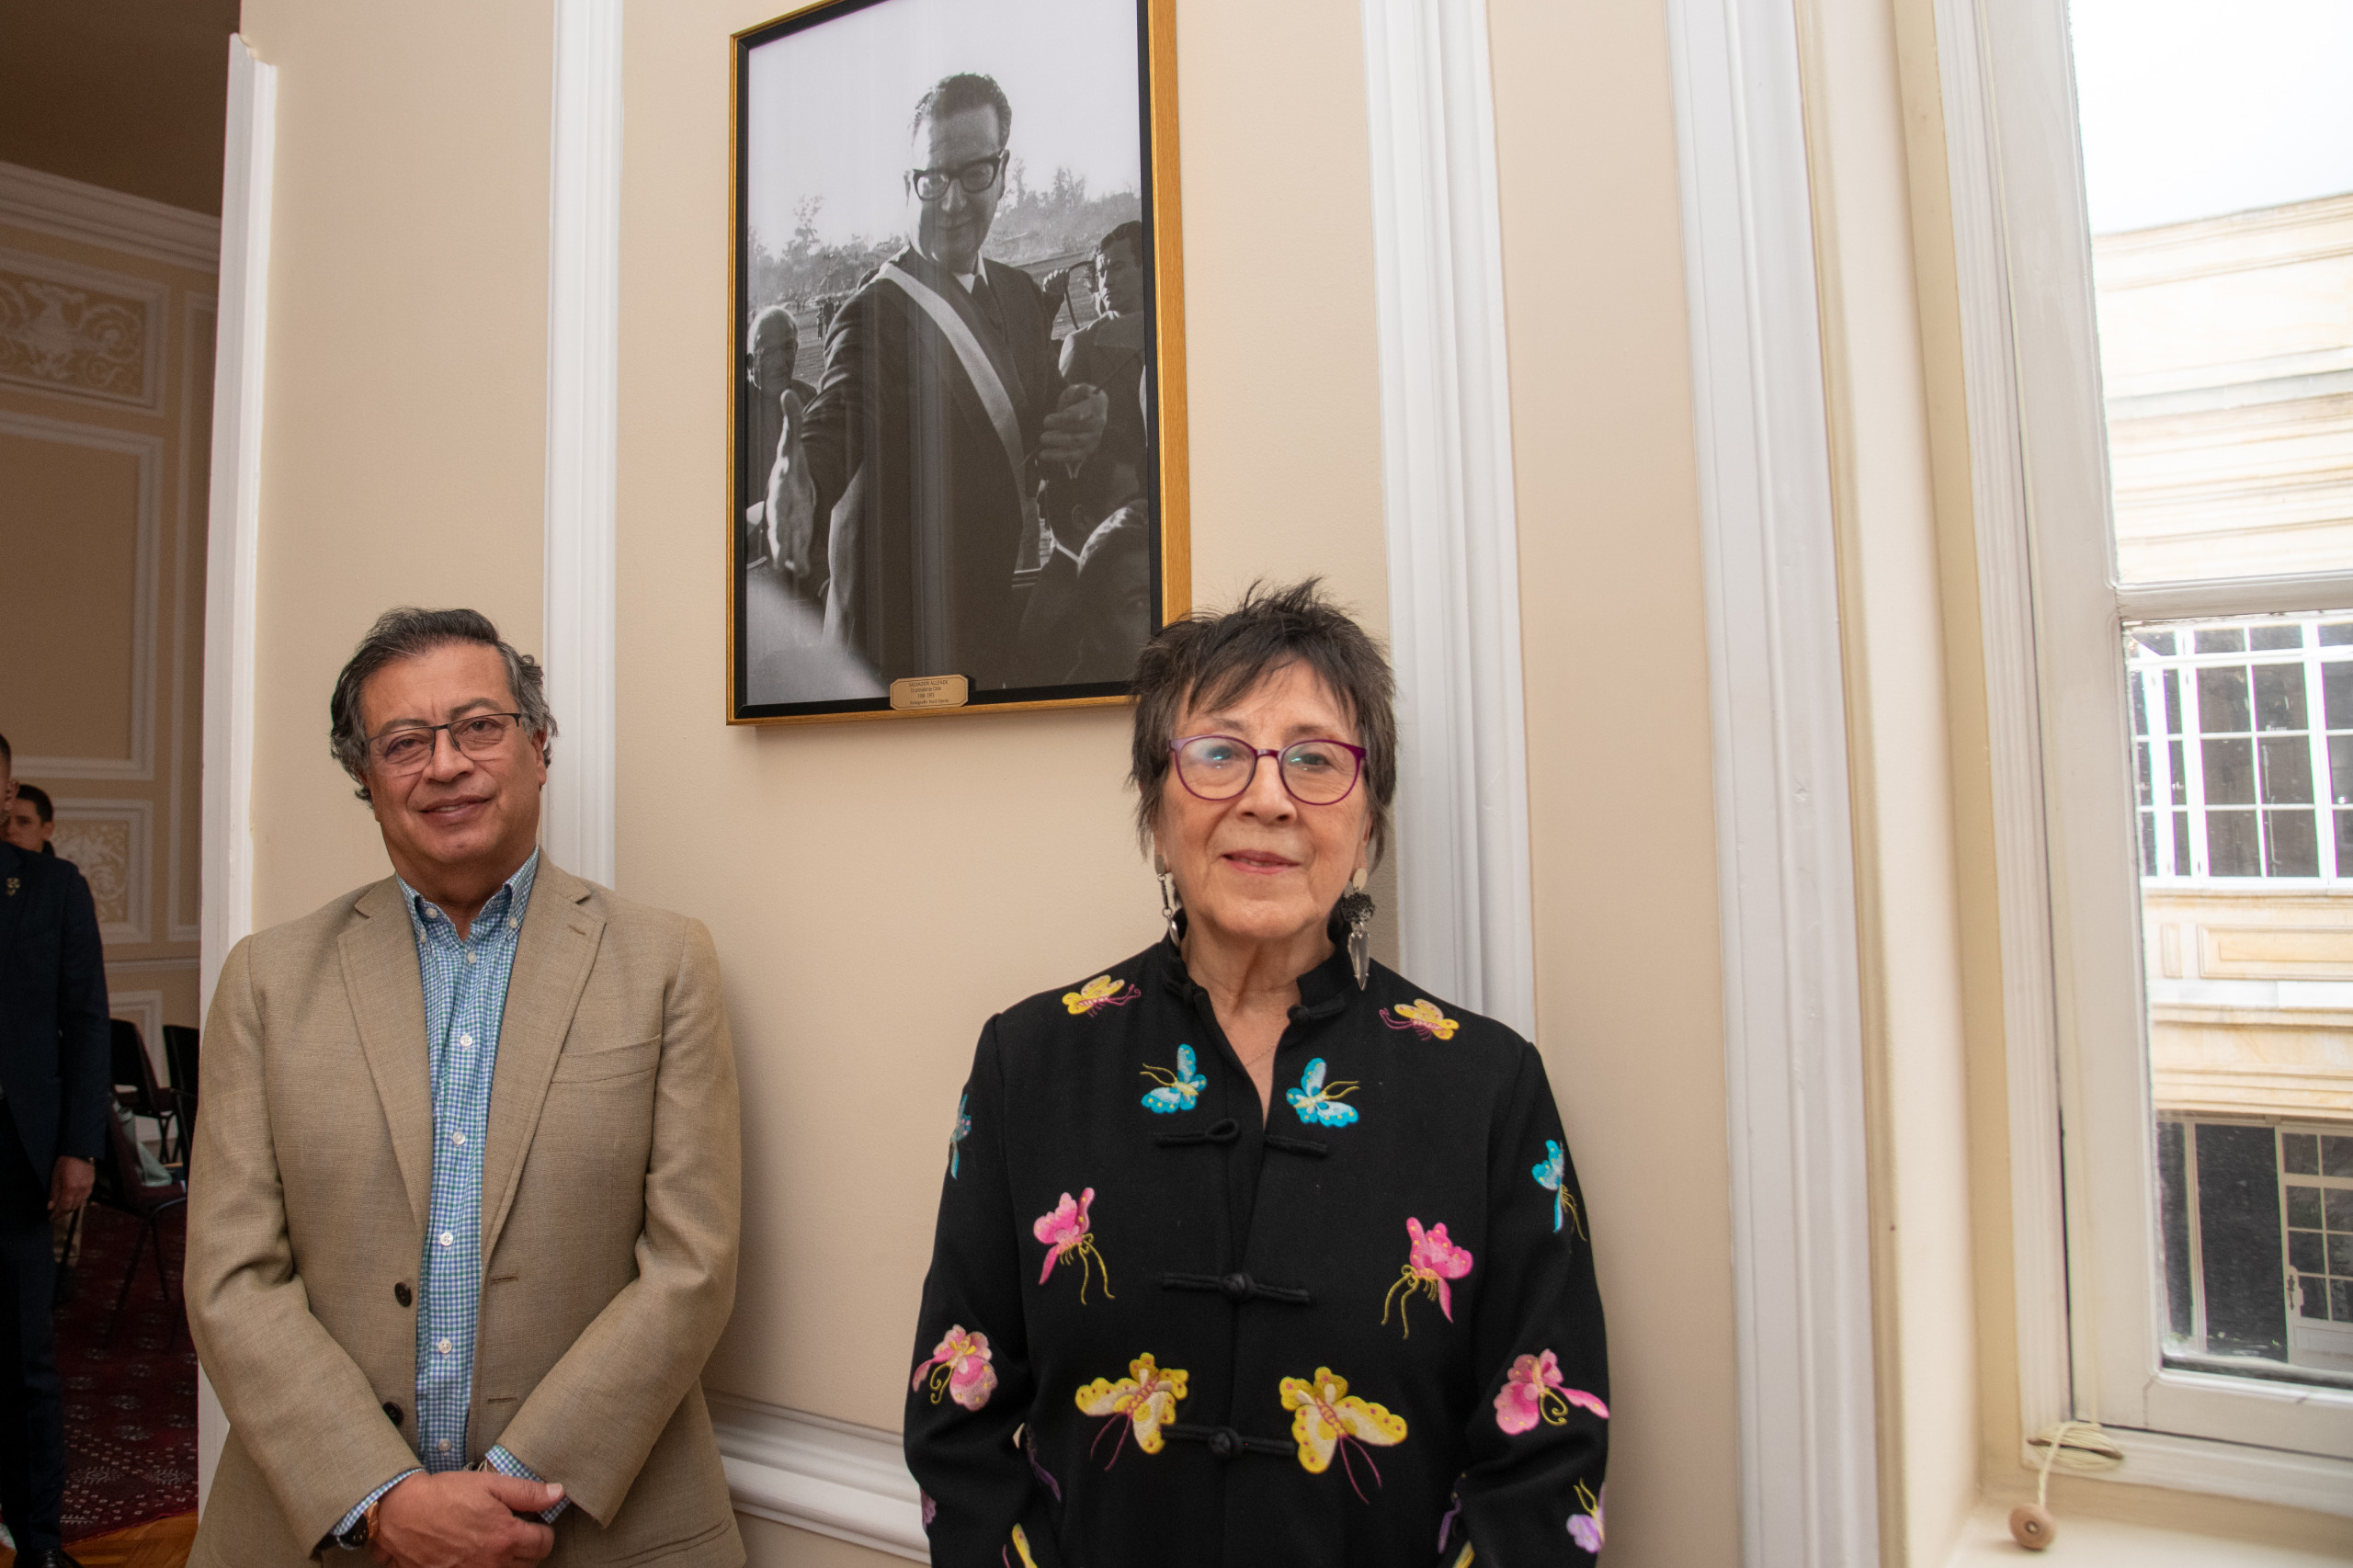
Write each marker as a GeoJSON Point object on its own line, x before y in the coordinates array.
{"type": "Point", "coordinates": [611, 1190]}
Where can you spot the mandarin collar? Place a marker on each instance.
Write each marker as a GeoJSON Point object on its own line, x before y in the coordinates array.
{"type": "Point", "coordinates": [1324, 991]}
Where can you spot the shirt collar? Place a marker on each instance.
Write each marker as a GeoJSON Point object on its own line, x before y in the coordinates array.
{"type": "Point", "coordinates": [507, 903]}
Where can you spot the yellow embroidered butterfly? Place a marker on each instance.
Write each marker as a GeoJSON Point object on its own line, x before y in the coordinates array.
{"type": "Point", "coordinates": [1021, 1545]}
{"type": "Point", "coordinates": [1103, 991]}
{"type": "Point", "coordinates": [1422, 1018]}
{"type": "Point", "coordinates": [1145, 1400]}
{"type": "Point", "coordinates": [1325, 1416]}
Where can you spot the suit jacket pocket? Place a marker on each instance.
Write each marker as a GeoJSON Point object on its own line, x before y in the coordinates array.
{"type": "Point", "coordinates": [577, 1066]}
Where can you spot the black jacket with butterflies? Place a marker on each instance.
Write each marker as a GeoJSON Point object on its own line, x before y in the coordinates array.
{"type": "Point", "coordinates": [1363, 1331]}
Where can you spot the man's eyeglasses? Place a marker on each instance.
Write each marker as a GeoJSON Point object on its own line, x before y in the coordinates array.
{"type": "Point", "coordinates": [1316, 773]}
{"type": "Point", "coordinates": [975, 176]}
{"type": "Point", "coordinates": [405, 748]}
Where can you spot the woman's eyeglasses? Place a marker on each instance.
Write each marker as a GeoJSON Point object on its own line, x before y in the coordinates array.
{"type": "Point", "coordinates": [408, 747]}
{"type": "Point", "coordinates": [1314, 773]}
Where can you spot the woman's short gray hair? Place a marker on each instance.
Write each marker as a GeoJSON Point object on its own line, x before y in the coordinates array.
{"type": "Point", "coordinates": [405, 632]}
{"type": "Point", "coordinates": [1209, 659]}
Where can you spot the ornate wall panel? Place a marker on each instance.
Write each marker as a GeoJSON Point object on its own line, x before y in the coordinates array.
{"type": "Point", "coordinates": [80, 333]}
{"type": "Point", "coordinates": [113, 843]}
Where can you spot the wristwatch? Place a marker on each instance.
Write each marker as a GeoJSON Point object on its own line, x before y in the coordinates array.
{"type": "Point", "coordinates": [360, 1534]}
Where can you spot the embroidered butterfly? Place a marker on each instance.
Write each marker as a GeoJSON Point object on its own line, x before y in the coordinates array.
{"type": "Point", "coordinates": [1326, 1416]}
{"type": "Point", "coordinates": [1316, 1103]}
{"type": "Point", "coordinates": [1177, 1090]}
{"type": "Point", "coordinates": [1433, 1261]}
{"type": "Point", "coordinates": [1550, 1174]}
{"type": "Point", "coordinates": [956, 1139]}
{"type": "Point", "coordinates": [1103, 991]}
{"type": "Point", "coordinates": [1021, 1545]}
{"type": "Point", "coordinates": [1585, 1528]}
{"type": "Point", "coordinates": [1068, 1232]}
{"type": "Point", "coordinates": [1422, 1018]}
{"type": "Point", "coordinates": [959, 1366]}
{"type": "Point", "coordinates": [1143, 1401]}
{"type": "Point", "coordinates": [1534, 1391]}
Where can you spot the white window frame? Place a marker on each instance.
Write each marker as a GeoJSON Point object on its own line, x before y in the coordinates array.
{"type": "Point", "coordinates": [2089, 1315]}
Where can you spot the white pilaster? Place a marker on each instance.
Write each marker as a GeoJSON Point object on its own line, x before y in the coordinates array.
{"type": "Point", "coordinates": [1793, 1017]}
{"type": "Point", "coordinates": [1461, 840]}
{"type": "Point", "coordinates": [584, 400]}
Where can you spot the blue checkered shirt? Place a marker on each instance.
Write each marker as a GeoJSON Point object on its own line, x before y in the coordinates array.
{"type": "Point", "coordinates": [465, 997]}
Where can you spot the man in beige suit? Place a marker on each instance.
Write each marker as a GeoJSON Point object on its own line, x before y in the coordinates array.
{"type": "Point", "coordinates": [462, 1216]}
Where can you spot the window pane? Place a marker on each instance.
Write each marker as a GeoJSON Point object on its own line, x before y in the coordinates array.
{"type": "Point", "coordinates": [2287, 771]}
{"type": "Point", "coordinates": [2337, 634]}
{"type": "Point", "coordinates": [2233, 848]}
{"type": "Point", "coordinates": [2338, 1203]}
{"type": "Point", "coordinates": [2336, 1156]}
{"type": "Point", "coordinates": [2304, 1206]}
{"type": "Point", "coordinates": [2290, 847]}
{"type": "Point", "coordinates": [2299, 1156]}
{"type": "Point", "coordinates": [2315, 1295]}
{"type": "Point", "coordinates": [2336, 688]}
{"type": "Point", "coordinates": [2340, 768]}
{"type": "Point", "coordinates": [2230, 772]}
{"type": "Point", "coordinates": [2238, 1210]}
{"type": "Point", "coordinates": [2307, 1250]}
{"type": "Point", "coordinates": [2222, 700]}
{"type": "Point", "coordinates": [2261, 638]}
{"type": "Point", "coordinates": [2173, 704]}
{"type": "Point", "coordinates": [2280, 697]}
{"type": "Point", "coordinates": [2222, 639]}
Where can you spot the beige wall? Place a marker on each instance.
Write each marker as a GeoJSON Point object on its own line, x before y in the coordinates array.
{"type": "Point", "coordinates": [1621, 796]}
{"type": "Point", "coordinates": [404, 427]}
{"type": "Point", "coordinates": [102, 532]}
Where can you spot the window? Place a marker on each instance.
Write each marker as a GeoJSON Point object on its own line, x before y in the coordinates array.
{"type": "Point", "coordinates": [2169, 187]}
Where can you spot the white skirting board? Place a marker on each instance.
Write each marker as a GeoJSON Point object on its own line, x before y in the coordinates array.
{"type": "Point", "coordinates": [850, 1482]}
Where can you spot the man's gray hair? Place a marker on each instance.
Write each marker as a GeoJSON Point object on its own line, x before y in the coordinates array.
{"type": "Point", "coordinates": [404, 633]}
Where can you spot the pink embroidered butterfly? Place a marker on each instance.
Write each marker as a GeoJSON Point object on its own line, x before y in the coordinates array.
{"type": "Point", "coordinates": [1327, 1416]}
{"type": "Point", "coordinates": [1534, 1391]}
{"type": "Point", "coordinates": [1066, 1233]}
{"type": "Point", "coordinates": [1585, 1528]}
{"type": "Point", "coordinates": [1431, 1264]}
{"type": "Point", "coordinates": [1144, 1399]}
{"type": "Point", "coordinates": [1424, 1019]}
{"type": "Point", "coordinates": [959, 1366]}
{"type": "Point", "coordinates": [1103, 991]}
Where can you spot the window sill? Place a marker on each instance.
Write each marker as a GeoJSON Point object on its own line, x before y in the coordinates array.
{"type": "Point", "coordinates": [2090, 1542]}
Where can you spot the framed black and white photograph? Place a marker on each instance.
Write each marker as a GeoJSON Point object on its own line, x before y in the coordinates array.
{"type": "Point", "coordinates": [956, 362]}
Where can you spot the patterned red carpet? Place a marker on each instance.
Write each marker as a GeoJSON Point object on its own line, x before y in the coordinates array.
{"type": "Point", "coordinates": [130, 1406]}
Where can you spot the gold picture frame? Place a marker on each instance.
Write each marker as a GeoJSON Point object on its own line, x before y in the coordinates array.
{"type": "Point", "coordinates": [811, 638]}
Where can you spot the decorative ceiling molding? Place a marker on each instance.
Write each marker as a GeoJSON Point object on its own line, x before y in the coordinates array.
{"type": "Point", "coordinates": [93, 215]}
{"type": "Point", "coordinates": [78, 332]}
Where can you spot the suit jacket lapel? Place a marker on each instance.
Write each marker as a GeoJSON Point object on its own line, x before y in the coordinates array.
{"type": "Point", "coordinates": [387, 992]}
{"type": "Point", "coordinates": [553, 956]}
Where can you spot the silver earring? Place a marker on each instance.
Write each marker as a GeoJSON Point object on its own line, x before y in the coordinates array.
{"type": "Point", "coordinates": [1355, 909]}
{"type": "Point", "coordinates": [1168, 904]}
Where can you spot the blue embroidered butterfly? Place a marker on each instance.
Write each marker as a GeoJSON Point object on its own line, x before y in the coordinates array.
{"type": "Point", "coordinates": [1315, 1103]}
{"type": "Point", "coordinates": [1179, 1090]}
{"type": "Point", "coordinates": [1550, 1174]}
{"type": "Point", "coordinates": [956, 1139]}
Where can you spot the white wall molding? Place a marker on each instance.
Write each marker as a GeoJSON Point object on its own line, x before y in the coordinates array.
{"type": "Point", "coordinates": [147, 544]}
{"type": "Point", "coordinates": [584, 431]}
{"type": "Point", "coordinates": [1465, 924]}
{"type": "Point", "coordinates": [1793, 1017]}
{"type": "Point", "coordinates": [199, 321]}
{"type": "Point", "coordinates": [93, 215]}
{"type": "Point", "coordinates": [233, 549]}
{"type": "Point", "coordinates": [850, 1482]}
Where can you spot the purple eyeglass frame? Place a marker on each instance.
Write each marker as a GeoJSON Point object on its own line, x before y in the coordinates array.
{"type": "Point", "coordinates": [1257, 754]}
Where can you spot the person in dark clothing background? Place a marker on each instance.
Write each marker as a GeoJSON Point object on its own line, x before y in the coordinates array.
{"type": "Point", "coordinates": [29, 820]}
{"type": "Point", "coordinates": [53, 1088]}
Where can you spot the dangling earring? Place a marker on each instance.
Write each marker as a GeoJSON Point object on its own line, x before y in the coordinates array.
{"type": "Point", "coordinates": [1355, 909]}
{"type": "Point", "coordinates": [1168, 904]}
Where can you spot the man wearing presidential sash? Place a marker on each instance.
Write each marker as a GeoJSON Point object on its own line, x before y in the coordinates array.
{"type": "Point", "coordinates": [940, 407]}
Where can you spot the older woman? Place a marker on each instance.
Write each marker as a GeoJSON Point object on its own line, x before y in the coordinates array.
{"type": "Point", "coordinates": [1250, 1251]}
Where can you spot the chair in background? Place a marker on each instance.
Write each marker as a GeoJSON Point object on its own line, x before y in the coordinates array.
{"type": "Point", "coordinates": [180, 1044]}
{"type": "Point", "coordinates": [135, 1086]}
{"type": "Point", "coordinates": [124, 1185]}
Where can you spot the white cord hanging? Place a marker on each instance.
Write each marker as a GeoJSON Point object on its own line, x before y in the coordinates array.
{"type": "Point", "coordinates": [2079, 1448]}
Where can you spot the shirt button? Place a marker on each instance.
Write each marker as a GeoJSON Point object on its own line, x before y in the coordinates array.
{"type": "Point", "coordinates": [443, 1347]}
{"type": "Point", "coordinates": [443, 1446]}
{"type": "Point", "coordinates": [1236, 1287]}
{"type": "Point", "coordinates": [459, 1139]}
{"type": "Point", "coordinates": [447, 1237]}
{"type": "Point", "coordinates": [510, 922]}
{"type": "Point", "coordinates": [465, 1039]}
{"type": "Point", "coordinates": [470, 958]}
